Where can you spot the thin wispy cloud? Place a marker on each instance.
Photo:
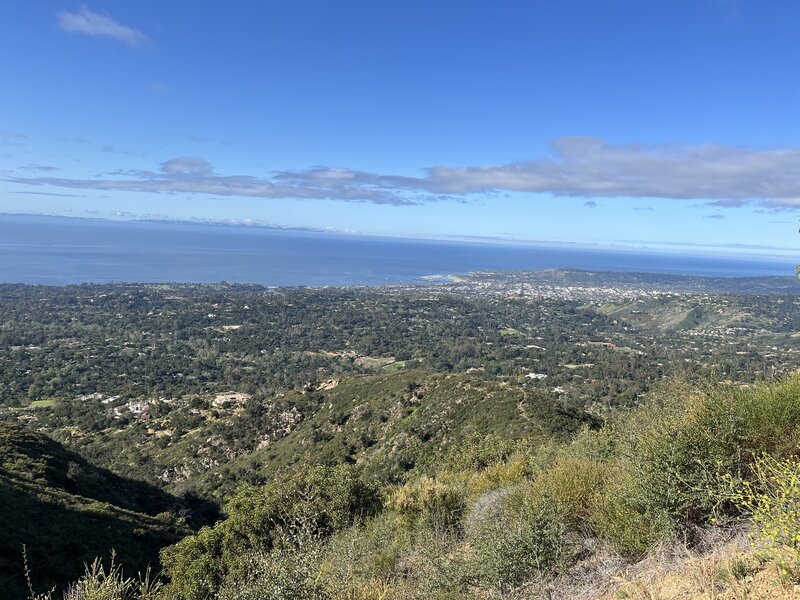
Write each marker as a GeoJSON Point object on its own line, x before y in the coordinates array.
{"type": "Point", "coordinates": [193, 175]}
{"type": "Point", "coordinates": [50, 194]}
{"type": "Point", "coordinates": [12, 138]}
{"type": "Point", "coordinates": [39, 168]}
{"type": "Point", "coordinates": [184, 135]}
{"type": "Point", "coordinates": [87, 22]}
{"type": "Point", "coordinates": [109, 149]}
{"type": "Point", "coordinates": [580, 167]}
{"type": "Point", "coordinates": [73, 140]}
{"type": "Point", "coordinates": [188, 166]}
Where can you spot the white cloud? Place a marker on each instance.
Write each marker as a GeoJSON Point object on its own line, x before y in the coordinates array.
{"type": "Point", "coordinates": [582, 167]}
{"type": "Point", "coordinates": [95, 24]}
{"type": "Point", "coordinates": [586, 167]}
{"type": "Point", "coordinates": [590, 167]}
{"type": "Point", "coordinates": [193, 175]}
{"type": "Point", "coordinates": [189, 166]}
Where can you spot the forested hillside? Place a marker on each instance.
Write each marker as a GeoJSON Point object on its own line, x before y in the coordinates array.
{"type": "Point", "coordinates": [392, 443]}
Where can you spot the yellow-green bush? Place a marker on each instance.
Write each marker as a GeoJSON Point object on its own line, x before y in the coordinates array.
{"type": "Point", "coordinates": [373, 554]}
{"type": "Point", "coordinates": [278, 575]}
{"type": "Point", "coordinates": [770, 415]}
{"type": "Point", "coordinates": [434, 502]}
{"type": "Point", "coordinates": [500, 475]}
{"type": "Point", "coordinates": [573, 484]}
{"type": "Point", "coordinates": [676, 448]}
{"type": "Point", "coordinates": [477, 452]}
{"type": "Point", "coordinates": [771, 500]}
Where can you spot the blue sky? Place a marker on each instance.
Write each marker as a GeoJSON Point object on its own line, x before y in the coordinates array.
{"type": "Point", "coordinates": [596, 122]}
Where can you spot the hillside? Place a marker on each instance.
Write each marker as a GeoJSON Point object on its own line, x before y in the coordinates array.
{"type": "Point", "coordinates": [691, 495]}
{"type": "Point", "coordinates": [645, 507]}
{"type": "Point", "coordinates": [390, 443]}
{"type": "Point", "coordinates": [390, 424]}
{"type": "Point", "coordinates": [67, 511]}
{"type": "Point", "coordinates": [393, 425]}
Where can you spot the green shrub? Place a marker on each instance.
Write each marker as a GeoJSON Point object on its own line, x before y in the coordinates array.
{"type": "Point", "coordinates": [771, 418]}
{"type": "Point", "coordinates": [477, 452]}
{"type": "Point", "coordinates": [500, 475]}
{"type": "Point", "coordinates": [673, 453]}
{"type": "Point", "coordinates": [626, 516]}
{"type": "Point", "coordinates": [287, 513]}
{"type": "Point", "coordinates": [436, 567]}
{"type": "Point", "coordinates": [373, 555]}
{"type": "Point", "coordinates": [283, 574]}
{"type": "Point", "coordinates": [527, 540]}
{"type": "Point", "coordinates": [198, 563]}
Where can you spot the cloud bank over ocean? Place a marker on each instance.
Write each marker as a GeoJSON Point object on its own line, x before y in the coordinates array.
{"type": "Point", "coordinates": [583, 167]}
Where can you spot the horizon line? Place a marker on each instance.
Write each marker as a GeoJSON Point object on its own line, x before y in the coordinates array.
{"type": "Point", "coordinates": [630, 246]}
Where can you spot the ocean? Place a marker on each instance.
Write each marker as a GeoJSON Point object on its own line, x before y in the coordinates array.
{"type": "Point", "coordinates": [59, 250]}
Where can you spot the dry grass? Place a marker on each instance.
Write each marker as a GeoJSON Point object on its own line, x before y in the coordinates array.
{"type": "Point", "coordinates": [719, 569]}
